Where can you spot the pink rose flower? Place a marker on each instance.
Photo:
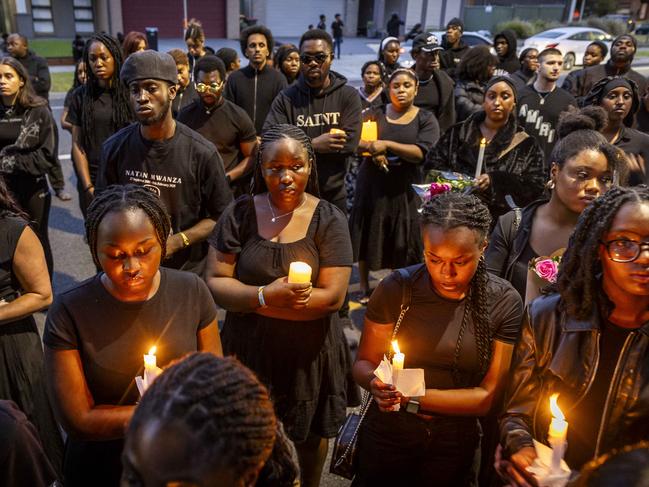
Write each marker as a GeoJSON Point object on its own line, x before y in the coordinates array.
{"type": "Point", "coordinates": [547, 269]}
{"type": "Point", "coordinates": [438, 188]}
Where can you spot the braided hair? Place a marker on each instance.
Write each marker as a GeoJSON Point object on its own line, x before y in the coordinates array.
{"type": "Point", "coordinates": [223, 406]}
{"type": "Point", "coordinates": [273, 134]}
{"type": "Point", "coordinates": [123, 198]}
{"type": "Point", "coordinates": [122, 114]}
{"type": "Point", "coordinates": [580, 271]}
{"type": "Point", "coordinates": [453, 210]}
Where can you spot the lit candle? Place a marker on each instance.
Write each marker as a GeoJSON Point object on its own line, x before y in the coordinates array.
{"type": "Point", "coordinates": [299, 272]}
{"type": "Point", "coordinates": [369, 133]}
{"type": "Point", "coordinates": [337, 131]}
{"type": "Point", "coordinates": [398, 358]}
{"type": "Point", "coordinates": [478, 168]}
{"type": "Point", "coordinates": [150, 367]}
{"type": "Point", "coordinates": [557, 434]}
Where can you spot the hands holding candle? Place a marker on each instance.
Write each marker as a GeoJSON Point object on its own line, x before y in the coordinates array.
{"type": "Point", "coordinates": [557, 434]}
{"type": "Point", "coordinates": [293, 291]}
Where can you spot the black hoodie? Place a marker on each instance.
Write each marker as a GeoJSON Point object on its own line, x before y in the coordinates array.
{"type": "Point", "coordinates": [510, 62]}
{"type": "Point", "coordinates": [39, 73]}
{"type": "Point", "coordinates": [337, 106]}
{"type": "Point", "coordinates": [450, 57]}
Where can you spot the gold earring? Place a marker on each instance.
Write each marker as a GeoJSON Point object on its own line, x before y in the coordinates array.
{"type": "Point", "coordinates": [549, 185]}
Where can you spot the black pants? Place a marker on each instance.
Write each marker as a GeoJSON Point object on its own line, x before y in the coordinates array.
{"type": "Point", "coordinates": [33, 196]}
{"type": "Point", "coordinates": [402, 449]}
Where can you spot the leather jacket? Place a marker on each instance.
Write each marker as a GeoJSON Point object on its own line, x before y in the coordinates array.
{"type": "Point", "coordinates": [559, 354]}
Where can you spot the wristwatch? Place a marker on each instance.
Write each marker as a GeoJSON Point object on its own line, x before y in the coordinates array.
{"type": "Point", "coordinates": [412, 406]}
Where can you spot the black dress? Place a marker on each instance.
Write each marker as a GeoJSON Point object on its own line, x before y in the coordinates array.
{"type": "Point", "coordinates": [305, 364]}
{"type": "Point", "coordinates": [22, 377]}
{"type": "Point", "coordinates": [384, 221]}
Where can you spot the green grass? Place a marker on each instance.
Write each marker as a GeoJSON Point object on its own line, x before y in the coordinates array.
{"type": "Point", "coordinates": [62, 82]}
{"type": "Point", "coordinates": [642, 53]}
{"type": "Point", "coordinates": [51, 47]}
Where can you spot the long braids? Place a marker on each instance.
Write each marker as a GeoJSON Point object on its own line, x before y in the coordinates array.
{"type": "Point", "coordinates": [273, 134]}
{"type": "Point", "coordinates": [122, 114]}
{"type": "Point", "coordinates": [580, 269]}
{"type": "Point", "coordinates": [452, 210]}
{"type": "Point", "coordinates": [221, 403]}
{"type": "Point", "coordinates": [123, 198]}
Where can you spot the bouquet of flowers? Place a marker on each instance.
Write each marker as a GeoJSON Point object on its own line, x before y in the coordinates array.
{"type": "Point", "coordinates": [457, 181]}
{"type": "Point", "coordinates": [542, 271]}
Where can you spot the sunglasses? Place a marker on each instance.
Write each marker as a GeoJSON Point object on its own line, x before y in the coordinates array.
{"type": "Point", "coordinates": [203, 88]}
{"type": "Point", "coordinates": [319, 58]}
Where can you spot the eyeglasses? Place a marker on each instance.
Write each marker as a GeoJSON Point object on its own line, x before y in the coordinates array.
{"type": "Point", "coordinates": [203, 88]}
{"type": "Point", "coordinates": [624, 250]}
{"type": "Point", "coordinates": [319, 58]}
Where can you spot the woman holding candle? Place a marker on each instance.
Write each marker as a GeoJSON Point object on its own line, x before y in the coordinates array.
{"type": "Point", "coordinates": [384, 221]}
{"type": "Point", "coordinates": [97, 333]}
{"type": "Point", "coordinates": [584, 167]}
{"type": "Point", "coordinates": [286, 332]}
{"type": "Point", "coordinates": [465, 352]}
{"type": "Point", "coordinates": [513, 161]}
{"type": "Point", "coordinates": [588, 342]}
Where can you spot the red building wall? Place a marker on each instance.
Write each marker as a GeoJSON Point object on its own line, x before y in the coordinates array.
{"type": "Point", "coordinates": [167, 16]}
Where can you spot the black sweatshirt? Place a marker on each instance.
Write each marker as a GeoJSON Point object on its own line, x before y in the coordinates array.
{"type": "Point", "coordinates": [39, 73]}
{"type": "Point", "coordinates": [337, 106]}
{"type": "Point", "coordinates": [254, 91]}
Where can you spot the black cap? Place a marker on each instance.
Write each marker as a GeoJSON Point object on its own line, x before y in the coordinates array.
{"type": "Point", "coordinates": [455, 22]}
{"type": "Point", "coordinates": [426, 42]}
{"type": "Point", "coordinates": [149, 64]}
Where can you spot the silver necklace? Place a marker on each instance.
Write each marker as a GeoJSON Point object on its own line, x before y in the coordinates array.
{"type": "Point", "coordinates": [277, 217]}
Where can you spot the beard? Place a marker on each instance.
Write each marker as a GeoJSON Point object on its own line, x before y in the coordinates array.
{"type": "Point", "coordinates": [157, 118]}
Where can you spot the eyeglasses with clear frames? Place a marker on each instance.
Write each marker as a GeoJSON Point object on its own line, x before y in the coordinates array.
{"type": "Point", "coordinates": [624, 250]}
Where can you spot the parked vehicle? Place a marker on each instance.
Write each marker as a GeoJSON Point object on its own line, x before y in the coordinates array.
{"type": "Point", "coordinates": [571, 41]}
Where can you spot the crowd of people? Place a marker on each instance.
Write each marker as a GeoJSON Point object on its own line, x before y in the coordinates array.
{"type": "Point", "coordinates": [201, 181]}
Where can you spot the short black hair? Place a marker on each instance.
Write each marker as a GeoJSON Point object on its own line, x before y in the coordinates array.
{"type": "Point", "coordinates": [256, 29]}
{"type": "Point", "coordinates": [602, 47]}
{"type": "Point", "coordinates": [227, 55]}
{"type": "Point", "coordinates": [317, 35]}
{"type": "Point", "coordinates": [475, 64]}
{"type": "Point", "coordinates": [209, 63]}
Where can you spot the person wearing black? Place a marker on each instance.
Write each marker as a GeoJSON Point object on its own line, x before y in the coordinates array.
{"type": "Point", "coordinates": [584, 166]}
{"type": "Point", "coordinates": [78, 45]}
{"type": "Point", "coordinates": [595, 53]}
{"type": "Point", "coordinates": [505, 46]}
{"type": "Point", "coordinates": [186, 92]}
{"type": "Point", "coordinates": [529, 59]}
{"type": "Point", "coordinates": [322, 24]}
{"type": "Point", "coordinates": [255, 87]}
{"type": "Point", "coordinates": [27, 147]}
{"type": "Point", "coordinates": [371, 93]}
{"type": "Point", "coordinates": [384, 222]}
{"type": "Point", "coordinates": [222, 122]}
{"type": "Point", "coordinates": [513, 161]}
{"type": "Point", "coordinates": [230, 58]}
{"type": "Point", "coordinates": [179, 165]}
{"type": "Point", "coordinates": [435, 92]}
{"type": "Point", "coordinates": [97, 332]}
{"type": "Point", "coordinates": [475, 69]}
{"type": "Point", "coordinates": [541, 103]}
{"type": "Point", "coordinates": [195, 41]}
{"type": "Point", "coordinates": [619, 98]}
{"type": "Point", "coordinates": [642, 117]}
{"type": "Point", "coordinates": [337, 33]}
{"type": "Point", "coordinates": [24, 289]}
{"type": "Point", "coordinates": [80, 78]}
{"type": "Point", "coordinates": [98, 109]}
{"type": "Point", "coordinates": [465, 351]}
{"type": "Point", "coordinates": [454, 47]}
{"type": "Point", "coordinates": [389, 52]}
{"type": "Point", "coordinates": [321, 101]}
{"type": "Point", "coordinates": [287, 61]}
{"type": "Point", "coordinates": [622, 53]}
{"type": "Point", "coordinates": [394, 24]}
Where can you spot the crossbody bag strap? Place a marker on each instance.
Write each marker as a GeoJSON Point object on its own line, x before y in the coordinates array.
{"type": "Point", "coordinates": [406, 298]}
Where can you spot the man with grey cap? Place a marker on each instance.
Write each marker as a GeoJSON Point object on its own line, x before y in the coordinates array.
{"type": "Point", "coordinates": [435, 91]}
{"type": "Point", "coordinates": [182, 167]}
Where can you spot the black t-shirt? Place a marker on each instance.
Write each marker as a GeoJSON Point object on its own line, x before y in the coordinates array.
{"type": "Point", "coordinates": [226, 126]}
{"type": "Point", "coordinates": [10, 121]}
{"type": "Point", "coordinates": [102, 107]}
{"type": "Point", "coordinates": [430, 328]}
{"type": "Point", "coordinates": [112, 335]}
{"type": "Point", "coordinates": [68, 98]}
{"type": "Point", "coordinates": [183, 99]}
{"type": "Point", "coordinates": [186, 172]}
{"type": "Point", "coordinates": [428, 96]}
{"type": "Point", "coordinates": [635, 142]}
{"type": "Point", "coordinates": [584, 427]}
{"type": "Point", "coordinates": [337, 28]}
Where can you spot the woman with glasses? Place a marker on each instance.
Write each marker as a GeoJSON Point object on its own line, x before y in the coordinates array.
{"type": "Point", "coordinates": [221, 122]}
{"type": "Point", "coordinates": [588, 342]}
{"type": "Point", "coordinates": [584, 167]}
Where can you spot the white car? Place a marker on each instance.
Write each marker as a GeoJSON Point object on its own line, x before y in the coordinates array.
{"type": "Point", "coordinates": [571, 41]}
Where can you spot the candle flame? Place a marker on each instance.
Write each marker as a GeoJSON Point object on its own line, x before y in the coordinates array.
{"type": "Point", "coordinates": [152, 350]}
{"type": "Point", "coordinates": [395, 346]}
{"type": "Point", "coordinates": [483, 141]}
{"type": "Point", "coordinates": [554, 408]}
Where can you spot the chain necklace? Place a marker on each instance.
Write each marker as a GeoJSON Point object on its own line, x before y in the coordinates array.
{"type": "Point", "coordinates": [277, 217]}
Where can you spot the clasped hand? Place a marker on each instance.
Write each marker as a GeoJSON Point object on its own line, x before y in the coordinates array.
{"type": "Point", "coordinates": [282, 294]}
{"type": "Point", "coordinates": [385, 395]}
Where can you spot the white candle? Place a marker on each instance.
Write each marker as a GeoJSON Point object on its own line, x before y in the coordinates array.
{"type": "Point", "coordinates": [557, 434]}
{"type": "Point", "coordinates": [299, 272]}
{"type": "Point", "coordinates": [398, 359]}
{"type": "Point", "coordinates": [150, 367]}
{"type": "Point", "coordinates": [478, 168]}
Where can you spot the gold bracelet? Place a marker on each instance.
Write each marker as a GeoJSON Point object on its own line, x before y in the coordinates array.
{"type": "Point", "coordinates": [185, 239]}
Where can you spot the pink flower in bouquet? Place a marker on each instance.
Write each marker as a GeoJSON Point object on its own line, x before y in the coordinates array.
{"type": "Point", "coordinates": [547, 269]}
{"type": "Point", "coordinates": [438, 188]}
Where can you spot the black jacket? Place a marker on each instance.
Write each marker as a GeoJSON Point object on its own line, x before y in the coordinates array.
{"type": "Point", "coordinates": [39, 73]}
{"type": "Point", "coordinates": [337, 106]}
{"type": "Point", "coordinates": [510, 62]}
{"type": "Point", "coordinates": [254, 91]}
{"type": "Point", "coordinates": [559, 354]}
{"type": "Point", "coordinates": [450, 57]}
{"type": "Point", "coordinates": [445, 110]}
{"type": "Point", "coordinates": [579, 83]}
{"type": "Point", "coordinates": [469, 97]}
{"type": "Point", "coordinates": [513, 160]}
{"type": "Point", "coordinates": [507, 242]}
